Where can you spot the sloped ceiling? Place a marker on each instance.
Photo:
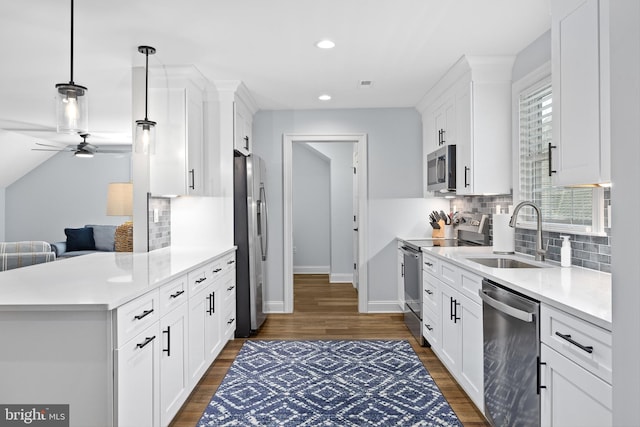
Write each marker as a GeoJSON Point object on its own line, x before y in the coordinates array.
{"type": "Point", "coordinates": [403, 46]}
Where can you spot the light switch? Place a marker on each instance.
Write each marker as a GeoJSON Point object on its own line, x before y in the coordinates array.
{"type": "Point", "coordinates": [156, 215]}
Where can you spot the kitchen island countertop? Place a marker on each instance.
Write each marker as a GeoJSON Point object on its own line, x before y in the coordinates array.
{"type": "Point", "coordinates": [99, 281]}
{"type": "Point", "coordinates": [583, 292]}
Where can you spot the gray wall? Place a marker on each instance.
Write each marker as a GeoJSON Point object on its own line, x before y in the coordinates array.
{"type": "Point", "coordinates": [396, 205]}
{"type": "Point", "coordinates": [63, 192]}
{"type": "Point", "coordinates": [311, 211]}
{"type": "Point", "coordinates": [532, 57]}
{"type": "Point", "coordinates": [341, 155]}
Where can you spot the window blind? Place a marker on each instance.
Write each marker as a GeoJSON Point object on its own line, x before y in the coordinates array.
{"type": "Point", "coordinates": [558, 205]}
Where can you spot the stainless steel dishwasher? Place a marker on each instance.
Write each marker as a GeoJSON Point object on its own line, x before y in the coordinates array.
{"type": "Point", "coordinates": [511, 330]}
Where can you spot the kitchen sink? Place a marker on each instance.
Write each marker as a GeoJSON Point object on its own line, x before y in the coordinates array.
{"type": "Point", "coordinates": [499, 262]}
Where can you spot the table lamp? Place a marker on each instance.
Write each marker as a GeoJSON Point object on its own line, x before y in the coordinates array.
{"type": "Point", "coordinates": [120, 203]}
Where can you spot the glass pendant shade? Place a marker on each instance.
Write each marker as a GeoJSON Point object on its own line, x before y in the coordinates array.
{"type": "Point", "coordinates": [72, 108]}
{"type": "Point", "coordinates": [145, 137]}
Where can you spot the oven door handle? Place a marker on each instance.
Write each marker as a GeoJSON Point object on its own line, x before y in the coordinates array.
{"type": "Point", "coordinates": [525, 316]}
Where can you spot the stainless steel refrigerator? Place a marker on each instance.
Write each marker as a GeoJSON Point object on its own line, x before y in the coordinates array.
{"type": "Point", "coordinates": [251, 238]}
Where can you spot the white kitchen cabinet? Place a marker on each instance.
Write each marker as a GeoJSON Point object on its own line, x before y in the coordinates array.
{"type": "Point", "coordinates": [236, 114]}
{"type": "Point", "coordinates": [431, 317]}
{"type": "Point", "coordinates": [174, 379]}
{"type": "Point", "coordinates": [472, 104]}
{"type": "Point", "coordinates": [176, 103]}
{"type": "Point", "coordinates": [204, 331]}
{"type": "Point", "coordinates": [580, 78]}
{"type": "Point", "coordinates": [576, 371]}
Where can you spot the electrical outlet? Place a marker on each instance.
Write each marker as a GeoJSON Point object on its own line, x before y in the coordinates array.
{"type": "Point", "coordinates": [156, 215]}
{"type": "Point", "coordinates": [295, 249]}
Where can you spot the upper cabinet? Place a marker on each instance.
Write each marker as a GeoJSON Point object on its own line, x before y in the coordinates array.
{"type": "Point", "coordinates": [236, 114]}
{"type": "Point", "coordinates": [471, 108]}
{"type": "Point", "coordinates": [177, 103]}
{"type": "Point", "coordinates": [580, 78]}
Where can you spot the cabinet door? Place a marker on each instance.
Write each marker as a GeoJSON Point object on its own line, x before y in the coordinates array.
{"type": "Point", "coordinates": [174, 378]}
{"type": "Point", "coordinates": [242, 128]}
{"type": "Point", "coordinates": [450, 327]}
{"type": "Point", "coordinates": [199, 325]}
{"type": "Point", "coordinates": [576, 79]}
{"type": "Point", "coordinates": [572, 396]}
{"type": "Point", "coordinates": [137, 370]}
{"type": "Point", "coordinates": [464, 163]}
{"type": "Point", "coordinates": [400, 278]}
{"type": "Point", "coordinates": [471, 375]}
{"type": "Point", "coordinates": [195, 145]}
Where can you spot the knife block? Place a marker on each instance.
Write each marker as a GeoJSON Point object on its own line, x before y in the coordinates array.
{"type": "Point", "coordinates": [438, 233]}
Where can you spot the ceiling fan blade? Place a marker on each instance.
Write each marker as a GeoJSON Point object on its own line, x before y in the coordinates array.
{"type": "Point", "coordinates": [45, 149]}
{"type": "Point", "coordinates": [49, 145]}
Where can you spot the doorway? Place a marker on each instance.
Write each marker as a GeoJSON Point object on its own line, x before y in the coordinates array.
{"type": "Point", "coordinates": [360, 206]}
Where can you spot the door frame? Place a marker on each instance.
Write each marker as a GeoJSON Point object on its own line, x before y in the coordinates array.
{"type": "Point", "coordinates": [288, 139]}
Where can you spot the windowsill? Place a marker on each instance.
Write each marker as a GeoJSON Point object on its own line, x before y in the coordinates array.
{"type": "Point", "coordinates": [579, 230]}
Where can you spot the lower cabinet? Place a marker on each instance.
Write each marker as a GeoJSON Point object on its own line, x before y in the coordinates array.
{"type": "Point", "coordinates": [137, 368]}
{"type": "Point", "coordinates": [167, 339]}
{"type": "Point", "coordinates": [452, 324]}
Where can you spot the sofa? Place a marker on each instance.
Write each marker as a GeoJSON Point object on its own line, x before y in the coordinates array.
{"type": "Point", "coordinates": [24, 253]}
{"type": "Point", "coordinates": [89, 239]}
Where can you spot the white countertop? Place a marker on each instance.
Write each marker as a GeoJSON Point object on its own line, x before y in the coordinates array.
{"type": "Point", "coordinates": [100, 281]}
{"type": "Point", "coordinates": [579, 291]}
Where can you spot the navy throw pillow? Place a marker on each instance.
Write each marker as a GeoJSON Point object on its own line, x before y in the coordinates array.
{"type": "Point", "coordinates": [80, 239]}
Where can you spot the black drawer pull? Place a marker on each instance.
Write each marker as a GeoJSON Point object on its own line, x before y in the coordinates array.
{"type": "Point", "coordinates": [230, 288]}
{"type": "Point", "coordinates": [231, 261]}
{"type": "Point", "coordinates": [231, 321]}
{"type": "Point", "coordinates": [217, 270]}
{"type": "Point", "coordinates": [177, 294]}
{"type": "Point", "coordinates": [146, 341]}
{"type": "Point", "coordinates": [429, 291]}
{"type": "Point", "coordinates": [200, 280]}
{"type": "Point", "coordinates": [428, 327]}
{"type": "Point", "coordinates": [144, 314]}
{"type": "Point", "coordinates": [587, 348]}
{"type": "Point", "coordinates": [428, 264]}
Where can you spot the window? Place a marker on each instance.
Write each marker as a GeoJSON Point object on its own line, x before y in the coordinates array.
{"type": "Point", "coordinates": [574, 210]}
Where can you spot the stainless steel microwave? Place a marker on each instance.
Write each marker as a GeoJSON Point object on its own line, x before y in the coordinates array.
{"type": "Point", "coordinates": [441, 169]}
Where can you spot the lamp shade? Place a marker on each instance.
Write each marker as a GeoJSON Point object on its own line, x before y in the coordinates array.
{"type": "Point", "coordinates": [120, 199]}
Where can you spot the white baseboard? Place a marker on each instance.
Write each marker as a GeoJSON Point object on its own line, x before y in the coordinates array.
{"type": "Point", "coordinates": [341, 278]}
{"type": "Point", "coordinates": [273, 306]}
{"type": "Point", "coordinates": [311, 269]}
{"type": "Point", "coordinates": [384, 307]}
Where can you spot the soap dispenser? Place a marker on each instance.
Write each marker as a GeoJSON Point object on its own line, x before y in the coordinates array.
{"type": "Point", "coordinates": [565, 252]}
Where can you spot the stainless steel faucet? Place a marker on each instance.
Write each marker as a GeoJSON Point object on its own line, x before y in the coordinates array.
{"type": "Point", "coordinates": [512, 223]}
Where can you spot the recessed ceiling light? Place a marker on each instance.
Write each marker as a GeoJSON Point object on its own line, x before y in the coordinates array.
{"type": "Point", "coordinates": [326, 44]}
{"type": "Point", "coordinates": [324, 97]}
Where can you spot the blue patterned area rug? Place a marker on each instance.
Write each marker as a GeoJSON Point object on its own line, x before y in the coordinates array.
{"type": "Point", "coordinates": [328, 383]}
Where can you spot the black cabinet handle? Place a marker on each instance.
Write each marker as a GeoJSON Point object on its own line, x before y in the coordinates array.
{"type": "Point", "coordinates": [146, 341]}
{"type": "Point", "coordinates": [428, 264]}
{"type": "Point", "coordinates": [540, 386]}
{"type": "Point", "coordinates": [246, 142]}
{"type": "Point", "coordinates": [455, 311]}
{"type": "Point", "coordinates": [144, 314]}
{"type": "Point", "coordinates": [230, 288]}
{"type": "Point", "coordinates": [429, 291]}
{"type": "Point", "coordinates": [429, 328]}
{"type": "Point", "coordinates": [451, 316]}
{"type": "Point", "coordinates": [466, 183]}
{"type": "Point", "coordinates": [230, 321]}
{"type": "Point", "coordinates": [231, 261]}
{"type": "Point", "coordinates": [587, 348]}
{"type": "Point", "coordinates": [212, 303]}
{"type": "Point", "coordinates": [442, 141]}
{"type": "Point", "coordinates": [402, 269]}
{"type": "Point", "coordinates": [177, 294]}
{"type": "Point", "coordinates": [217, 270]}
{"type": "Point", "coordinates": [192, 173]}
{"type": "Point", "coordinates": [168, 349]}
{"type": "Point", "coordinates": [200, 280]}
{"type": "Point", "coordinates": [551, 171]}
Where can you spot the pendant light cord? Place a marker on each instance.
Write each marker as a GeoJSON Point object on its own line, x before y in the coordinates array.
{"type": "Point", "coordinates": [146, 83]}
{"type": "Point", "coordinates": [71, 81]}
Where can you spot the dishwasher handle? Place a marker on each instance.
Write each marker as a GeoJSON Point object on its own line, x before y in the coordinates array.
{"type": "Point", "coordinates": [525, 316]}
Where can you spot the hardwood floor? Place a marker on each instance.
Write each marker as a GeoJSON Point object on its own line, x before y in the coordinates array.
{"type": "Point", "coordinates": [328, 311]}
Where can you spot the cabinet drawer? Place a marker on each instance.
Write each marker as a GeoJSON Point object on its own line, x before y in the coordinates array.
{"type": "Point", "coordinates": [431, 328]}
{"type": "Point", "coordinates": [173, 294]}
{"type": "Point", "coordinates": [137, 315]}
{"type": "Point", "coordinates": [229, 321]}
{"type": "Point", "coordinates": [228, 290]}
{"type": "Point", "coordinates": [430, 296]}
{"type": "Point", "coordinates": [470, 285]}
{"type": "Point", "coordinates": [430, 264]}
{"type": "Point", "coordinates": [582, 342]}
{"type": "Point", "coordinates": [450, 274]}
{"type": "Point", "coordinates": [200, 278]}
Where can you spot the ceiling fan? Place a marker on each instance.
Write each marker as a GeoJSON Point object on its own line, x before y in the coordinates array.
{"type": "Point", "coordinates": [85, 149]}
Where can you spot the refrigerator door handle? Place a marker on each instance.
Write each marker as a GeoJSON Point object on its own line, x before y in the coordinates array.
{"type": "Point", "coordinates": [264, 217]}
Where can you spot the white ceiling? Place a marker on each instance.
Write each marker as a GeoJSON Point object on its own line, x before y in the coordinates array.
{"type": "Point", "coordinates": [403, 46]}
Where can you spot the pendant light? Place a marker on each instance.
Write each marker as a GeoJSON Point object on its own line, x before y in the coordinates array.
{"type": "Point", "coordinates": [72, 101]}
{"type": "Point", "coordinates": [145, 129]}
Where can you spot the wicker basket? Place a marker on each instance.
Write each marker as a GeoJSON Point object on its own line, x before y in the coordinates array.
{"type": "Point", "coordinates": [124, 237]}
